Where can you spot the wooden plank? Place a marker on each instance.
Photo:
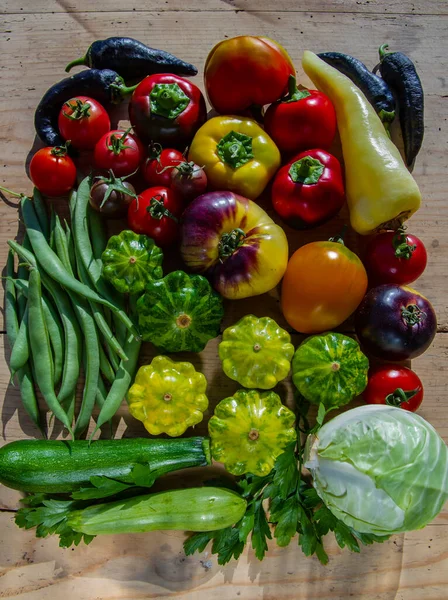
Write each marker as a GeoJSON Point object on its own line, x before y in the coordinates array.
{"type": "Point", "coordinates": [419, 7]}
{"type": "Point", "coordinates": [153, 566]}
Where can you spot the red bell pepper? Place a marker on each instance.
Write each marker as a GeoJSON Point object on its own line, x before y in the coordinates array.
{"type": "Point", "coordinates": [309, 190]}
{"type": "Point", "coordinates": [245, 71]}
{"type": "Point", "coordinates": [167, 109]}
{"type": "Point", "coordinates": [301, 120]}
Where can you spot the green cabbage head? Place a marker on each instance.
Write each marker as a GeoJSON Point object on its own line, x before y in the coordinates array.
{"type": "Point", "coordinates": [379, 469]}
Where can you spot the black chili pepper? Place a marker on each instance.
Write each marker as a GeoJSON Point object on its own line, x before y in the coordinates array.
{"type": "Point", "coordinates": [399, 72]}
{"type": "Point", "coordinates": [105, 86]}
{"type": "Point", "coordinates": [374, 88]}
{"type": "Point", "coordinates": [131, 59]}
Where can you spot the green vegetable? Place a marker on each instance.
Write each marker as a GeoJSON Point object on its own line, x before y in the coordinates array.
{"type": "Point", "coordinates": [256, 352]}
{"type": "Point", "coordinates": [329, 369]}
{"type": "Point", "coordinates": [196, 509]}
{"type": "Point", "coordinates": [380, 469]}
{"type": "Point", "coordinates": [130, 261]}
{"type": "Point", "coordinates": [168, 397]}
{"type": "Point", "coordinates": [249, 430]}
{"type": "Point", "coordinates": [59, 467]}
{"type": "Point", "coordinates": [180, 312]}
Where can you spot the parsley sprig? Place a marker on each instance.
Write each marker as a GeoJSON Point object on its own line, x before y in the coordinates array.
{"type": "Point", "coordinates": [285, 503]}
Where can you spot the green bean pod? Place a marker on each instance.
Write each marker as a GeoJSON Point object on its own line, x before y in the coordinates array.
{"type": "Point", "coordinates": [54, 267]}
{"type": "Point", "coordinates": [61, 246]}
{"type": "Point", "coordinates": [24, 375]}
{"type": "Point", "coordinates": [105, 366]}
{"type": "Point", "coordinates": [70, 248]}
{"type": "Point", "coordinates": [40, 347]}
{"type": "Point", "coordinates": [56, 335]}
{"type": "Point", "coordinates": [41, 212]}
{"type": "Point", "coordinates": [21, 350]}
{"type": "Point", "coordinates": [22, 273]}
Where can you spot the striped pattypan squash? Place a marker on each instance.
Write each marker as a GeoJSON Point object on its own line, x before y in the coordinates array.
{"type": "Point", "coordinates": [256, 352]}
{"type": "Point", "coordinates": [330, 369]}
{"type": "Point", "coordinates": [180, 312]}
{"type": "Point", "coordinates": [130, 261]}
{"type": "Point", "coordinates": [167, 396]}
{"type": "Point", "coordinates": [249, 430]}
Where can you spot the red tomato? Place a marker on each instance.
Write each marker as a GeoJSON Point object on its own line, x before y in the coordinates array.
{"type": "Point", "coordinates": [120, 151]}
{"type": "Point", "coordinates": [156, 213]}
{"type": "Point", "coordinates": [52, 171]}
{"type": "Point", "coordinates": [302, 120]}
{"type": "Point", "coordinates": [155, 171]}
{"type": "Point", "coordinates": [83, 121]}
{"type": "Point", "coordinates": [395, 257]}
{"type": "Point", "coordinates": [394, 386]}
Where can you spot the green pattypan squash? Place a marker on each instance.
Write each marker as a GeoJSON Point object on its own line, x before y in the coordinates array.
{"type": "Point", "coordinates": [130, 261]}
{"type": "Point", "coordinates": [167, 396]}
{"type": "Point", "coordinates": [249, 430]}
{"type": "Point", "coordinates": [180, 312]}
{"type": "Point", "coordinates": [256, 352]}
{"type": "Point", "coordinates": [330, 369]}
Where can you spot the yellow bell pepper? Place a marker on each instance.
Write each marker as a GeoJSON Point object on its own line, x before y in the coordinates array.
{"type": "Point", "coordinates": [168, 397]}
{"type": "Point", "coordinates": [237, 155]}
{"type": "Point", "coordinates": [381, 193]}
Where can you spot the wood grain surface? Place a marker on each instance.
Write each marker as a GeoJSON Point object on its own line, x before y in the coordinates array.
{"type": "Point", "coordinates": [37, 39]}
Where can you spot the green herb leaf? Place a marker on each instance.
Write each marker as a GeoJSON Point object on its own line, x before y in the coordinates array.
{"type": "Point", "coordinates": [369, 538]}
{"type": "Point", "coordinates": [227, 545]}
{"type": "Point", "coordinates": [246, 524]}
{"type": "Point", "coordinates": [321, 554]}
{"type": "Point", "coordinates": [344, 537]}
{"type": "Point", "coordinates": [286, 474]}
{"type": "Point", "coordinates": [261, 531]}
{"type": "Point", "coordinates": [285, 513]}
{"type": "Point", "coordinates": [325, 520]}
{"type": "Point", "coordinates": [198, 542]}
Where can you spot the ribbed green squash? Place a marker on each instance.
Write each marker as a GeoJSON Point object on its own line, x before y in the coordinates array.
{"type": "Point", "coordinates": [330, 369]}
{"type": "Point", "coordinates": [130, 261]}
{"type": "Point", "coordinates": [180, 312]}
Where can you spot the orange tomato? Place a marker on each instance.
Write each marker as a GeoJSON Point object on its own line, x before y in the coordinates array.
{"type": "Point", "coordinates": [323, 285]}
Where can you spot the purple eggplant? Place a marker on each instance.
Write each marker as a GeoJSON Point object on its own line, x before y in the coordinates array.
{"type": "Point", "coordinates": [395, 323]}
{"type": "Point", "coordinates": [234, 243]}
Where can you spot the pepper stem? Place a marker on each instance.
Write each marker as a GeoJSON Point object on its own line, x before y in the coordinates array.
{"type": "Point", "coordinates": [294, 94]}
{"type": "Point", "coordinates": [401, 246]}
{"type": "Point", "coordinates": [230, 242]}
{"type": "Point", "coordinates": [307, 170]}
{"type": "Point", "coordinates": [382, 51]}
{"type": "Point", "coordinates": [235, 149]}
{"type": "Point", "coordinates": [412, 315]}
{"type": "Point", "coordinates": [399, 396]}
{"type": "Point", "coordinates": [77, 62]}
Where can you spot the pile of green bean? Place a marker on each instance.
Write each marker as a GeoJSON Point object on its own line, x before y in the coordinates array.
{"type": "Point", "coordinates": [62, 317]}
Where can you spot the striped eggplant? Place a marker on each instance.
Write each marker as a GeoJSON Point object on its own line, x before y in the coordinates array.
{"type": "Point", "coordinates": [235, 243]}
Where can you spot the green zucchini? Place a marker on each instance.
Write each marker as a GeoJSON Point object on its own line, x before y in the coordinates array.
{"type": "Point", "coordinates": [58, 467]}
{"type": "Point", "coordinates": [195, 509]}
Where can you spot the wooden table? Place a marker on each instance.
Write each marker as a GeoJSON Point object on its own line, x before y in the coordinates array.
{"type": "Point", "coordinates": [38, 38]}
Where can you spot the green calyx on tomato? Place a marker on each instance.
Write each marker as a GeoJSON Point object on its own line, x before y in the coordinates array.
{"type": "Point", "coordinates": [114, 184]}
{"type": "Point", "coordinates": [230, 242]}
{"type": "Point", "coordinates": [118, 144]}
{"type": "Point", "coordinates": [80, 110]}
{"type": "Point", "coordinates": [399, 396]}
{"type": "Point", "coordinates": [168, 100]}
{"type": "Point", "coordinates": [235, 149]}
{"type": "Point", "coordinates": [307, 170]}
{"type": "Point", "coordinates": [157, 209]}
{"type": "Point", "coordinates": [412, 314]}
{"type": "Point", "coordinates": [294, 94]}
{"type": "Point", "coordinates": [401, 246]}
{"type": "Point", "coordinates": [60, 150]}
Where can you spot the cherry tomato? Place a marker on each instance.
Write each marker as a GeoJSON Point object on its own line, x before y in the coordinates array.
{"type": "Point", "coordinates": [52, 171]}
{"type": "Point", "coordinates": [155, 170]}
{"type": "Point", "coordinates": [111, 195]}
{"type": "Point", "coordinates": [395, 257]}
{"type": "Point", "coordinates": [189, 180]}
{"type": "Point", "coordinates": [119, 151]}
{"type": "Point", "coordinates": [156, 213]}
{"type": "Point", "coordinates": [394, 386]}
{"type": "Point", "coordinates": [323, 285]}
{"type": "Point", "coordinates": [83, 121]}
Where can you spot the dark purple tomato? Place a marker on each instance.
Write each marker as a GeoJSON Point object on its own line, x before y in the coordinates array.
{"type": "Point", "coordinates": [395, 322]}
{"type": "Point", "coordinates": [111, 196]}
{"type": "Point", "coordinates": [189, 180]}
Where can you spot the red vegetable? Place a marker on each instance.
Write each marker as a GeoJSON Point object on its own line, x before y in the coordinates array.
{"type": "Point", "coordinates": [167, 109]}
{"type": "Point", "coordinates": [395, 322]}
{"type": "Point", "coordinates": [309, 190]}
{"type": "Point", "coordinates": [394, 386]}
{"type": "Point", "coordinates": [301, 120]}
{"type": "Point", "coordinates": [83, 121]}
{"type": "Point", "coordinates": [156, 213]}
{"type": "Point", "coordinates": [119, 151]}
{"type": "Point", "coordinates": [155, 169]}
{"type": "Point", "coordinates": [52, 171]}
{"type": "Point", "coordinates": [395, 257]}
{"type": "Point", "coordinates": [188, 180]}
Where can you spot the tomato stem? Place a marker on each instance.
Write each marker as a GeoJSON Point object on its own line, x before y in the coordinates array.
{"type": "Point", "coordinates": [401, 245]}
{"type": "Point", "coordinates": [157, 209]}
{"type": "Point", "coordinates": [61, 150]}
{"type": "Point", "coordinates": [230, 242]}
{"type": "Point", "coordinates": [80, 110]}
{"type": "Point", "coordinates": [339, 237]}
{"type": "Point", "coordinates": [117, 144]}
{"type": "Point", "coordinates": [412, 315]}
{"type": "Point", "coordinates": [399, 396]}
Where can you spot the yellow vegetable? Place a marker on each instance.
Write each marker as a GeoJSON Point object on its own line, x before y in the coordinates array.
{"type": "Point", "coordinates": [168, 397]}
{"type": "Point", "coordinates": [381, 193]}
{"type": "Point", "coordinates": [237, 155]}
